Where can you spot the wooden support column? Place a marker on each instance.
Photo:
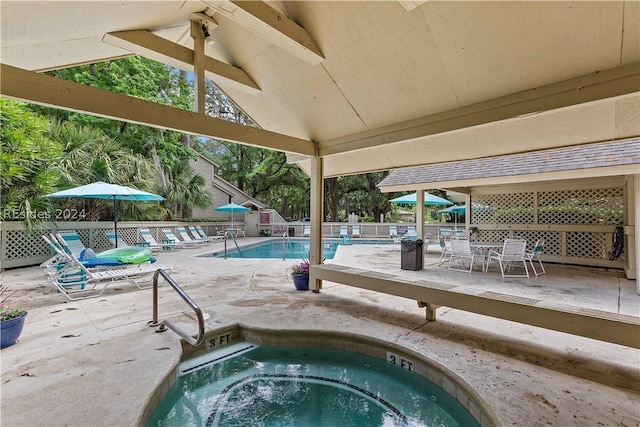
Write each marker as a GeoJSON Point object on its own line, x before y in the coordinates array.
{"type": "Point", "coordinates": [198, 67]}
{"type": "Point", "coordinates": [317, 209]}
{"type": "Point", "coordinates": [420, 214]}
{"type": "Point", "coordinates": [631, 229]}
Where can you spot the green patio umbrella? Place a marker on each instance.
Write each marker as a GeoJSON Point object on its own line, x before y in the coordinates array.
{"type": "Point", "coordinates": [429, 200]}
{"type": "Point", "coordinates": [232, 207]}
{"type": "Point", "coordinates": [106, 191]}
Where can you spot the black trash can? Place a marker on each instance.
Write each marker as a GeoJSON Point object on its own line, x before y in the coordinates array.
{"type": "Point", "coordinates": [292, 231]}
{"type": "Point", "coordinates": [411, 254]}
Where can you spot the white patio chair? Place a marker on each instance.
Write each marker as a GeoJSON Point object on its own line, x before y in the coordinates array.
{"type": "Point", "coordinates": [446, 251]}
{"type": "Point", "coordinates": [393, 234]}
{"type": "Point", "coordinates": [534, 255]}
{"type": "Point", "coordinates": [461, 251]}
{"type": "Point", "coordinates": [355, 231]}
{"type": "Point", "coordinates": [306, 230]}
{"type": "Point", "coordinates": [513, 253]}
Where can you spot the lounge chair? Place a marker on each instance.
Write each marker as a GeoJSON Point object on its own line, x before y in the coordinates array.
{"type": "Point", "coordinates": [534, 255]}
{"type": "Point", "coordinates": [344, 231]}
{"type": "Point", "coordinates": [121, 243]}
{"type": "Point", "coordinates": [197, 231]}
{"type": "Point", "coordinates": [149, 241]}
{"type": "Point", "coordinates": [513, 252]}
{"type": "Point", "coordinates": [355, 231]}
{"type": "Point", "coordinates": [411, 233]}
{"type": "Point", "coordinates": [76, 279]}
{"type": "Point", "coordinates": [306, 230]}
{"type": "Point", "coordinates": [188, 240]}
{"type": "Point", "coordinates": [73, 241]}
{"type": "Point", "coordinates": [179, 243]}
{"type": "Point", "coordinates": [461, 251]}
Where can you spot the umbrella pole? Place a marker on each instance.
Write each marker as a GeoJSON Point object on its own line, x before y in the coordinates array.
{"type": "Point", "coordinates": [115, 220]}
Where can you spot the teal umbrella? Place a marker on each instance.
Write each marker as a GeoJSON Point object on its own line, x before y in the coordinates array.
{"type": "Point", "coordinates": [232, 207]}
{"type": "Point", "coordinates": [429, 200]}
{"type": "Point", "coordinates": [106, 191]}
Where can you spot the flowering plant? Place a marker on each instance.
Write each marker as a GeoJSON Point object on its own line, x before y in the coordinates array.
{"type": "Point", "coordinates": [301, 268]}
{"type": "Point", "coordinates": [7, 312]}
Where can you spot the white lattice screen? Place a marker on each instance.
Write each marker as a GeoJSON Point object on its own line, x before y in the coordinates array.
{"type": "Point", "coordinates": [569, 207]}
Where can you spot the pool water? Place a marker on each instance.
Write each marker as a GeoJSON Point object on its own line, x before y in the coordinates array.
{"type": "Point", "coordinates": [299, 387]}
{"type": "Point", "coordinates": [293, 249]}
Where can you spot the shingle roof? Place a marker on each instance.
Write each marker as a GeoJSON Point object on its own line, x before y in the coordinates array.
{"type": "Point", "coordinates": [604, 154]}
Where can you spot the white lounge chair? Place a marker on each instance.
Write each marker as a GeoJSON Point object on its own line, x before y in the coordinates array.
{"type": "Point", "coordinates": [179, 243]}
{"type": "Point", "coordinates": [76, 279]}
{"type": "Point", "coordinates": [411, 233]}
{"type": "Point", "coordinates": [355, 231]}
{"type": "Point", "coordinates": [150, 242]}
{"type": "Point", "coordinates": [513, 252]}
{"type": "Point", "coordinates": [121, 243]}
{"type": "Point", "coordinates": [197, 231]}
{"type": "Point", "coordinates": [306, 230]}
{"type": "Point", "coordinates": [344, 231]}
{"type": "Point", "coordinates": [188, 240]}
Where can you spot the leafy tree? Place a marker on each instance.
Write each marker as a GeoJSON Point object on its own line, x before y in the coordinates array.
{"type": "Point", "coordinates": [91, 156]}
{"type": "Point", "coordinates": [184, 190]}
{"type": "Point", "coordinates": [26, 164]}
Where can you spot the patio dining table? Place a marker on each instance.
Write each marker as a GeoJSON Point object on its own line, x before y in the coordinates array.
{"type": "Point", "coordinates": [484, 248]}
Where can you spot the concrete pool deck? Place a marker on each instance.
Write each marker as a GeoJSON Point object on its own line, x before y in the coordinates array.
{"type": "Point", "coordinates": [96, 362]}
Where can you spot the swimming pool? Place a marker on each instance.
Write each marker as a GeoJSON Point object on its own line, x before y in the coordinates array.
{"type": "Point", "coordinates": [293, 248]}
{"type": "Point", "coordinates": [245, 384]}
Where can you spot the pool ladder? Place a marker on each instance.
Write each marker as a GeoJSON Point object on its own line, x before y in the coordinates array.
{"type": "Point", "coordinates": [162, 326]}
{"type": "Point", "coordinates": [286, 243]}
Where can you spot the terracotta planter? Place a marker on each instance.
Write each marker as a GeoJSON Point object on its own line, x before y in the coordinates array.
{"type": "Point", "coordinates": [301, 281]}
{"type": "Point", "coordinates": [11, 329]}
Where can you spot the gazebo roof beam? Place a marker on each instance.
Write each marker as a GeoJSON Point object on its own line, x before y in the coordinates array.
{"type": "Point", "coordinates": [41, 89]}
{"type": "Point", "coordinates": [274, 26]}
{"type": "Point", "coordinates": [148, 45]}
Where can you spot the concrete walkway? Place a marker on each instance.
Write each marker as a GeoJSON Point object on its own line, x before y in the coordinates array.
{"type": "Point", "coordinates": [96, 362]}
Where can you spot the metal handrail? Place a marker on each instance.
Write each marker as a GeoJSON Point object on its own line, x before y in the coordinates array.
{"type": "Point", "coordinates": [284, 246]}
{"type": "Point", "coordinates": [226, 237]}
{"type": "Point", "coordinates": [162, 326]}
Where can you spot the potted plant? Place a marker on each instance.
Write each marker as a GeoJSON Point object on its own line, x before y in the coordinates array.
{"type": "Point", "coordinates": [300, 275]}
{"type": "Point", "coordinates": [11, 320]}
{"type": "Point", "coordinates": [265, 232]}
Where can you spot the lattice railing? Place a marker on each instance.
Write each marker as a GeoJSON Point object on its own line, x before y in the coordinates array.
{"type": "Point", "coordinates": [512, 208]}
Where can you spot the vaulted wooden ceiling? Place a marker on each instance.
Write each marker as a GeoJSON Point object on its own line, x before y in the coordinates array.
{"type": "Point", "coordinates": [367, 85]}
